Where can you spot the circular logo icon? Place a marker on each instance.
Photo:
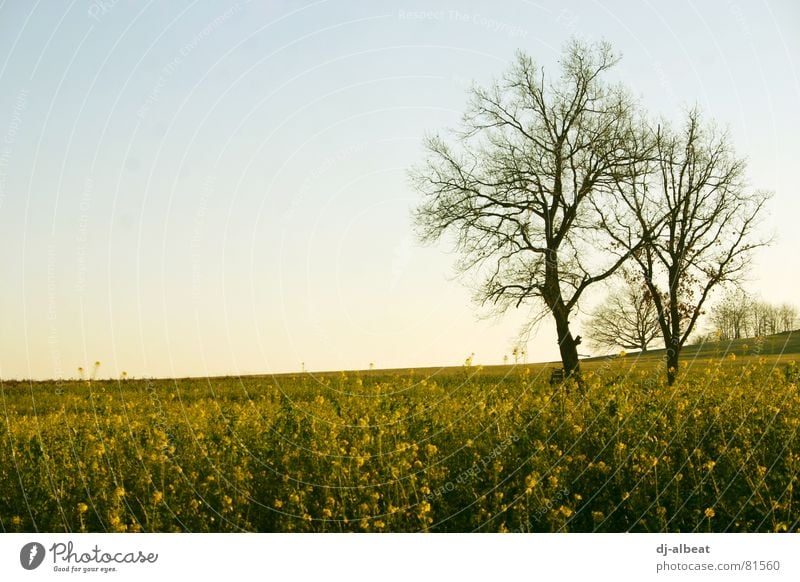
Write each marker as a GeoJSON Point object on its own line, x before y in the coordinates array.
{"type": "Point", "coordinates": [31, 555]}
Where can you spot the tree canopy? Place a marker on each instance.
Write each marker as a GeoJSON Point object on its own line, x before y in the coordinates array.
{"type": "Point", "coordinates": [551, 185]}
{"type": "Point", "coordinates": [519, 185]}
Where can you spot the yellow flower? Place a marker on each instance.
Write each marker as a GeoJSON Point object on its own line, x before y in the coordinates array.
{"type": "Point", "coordinates": [119, 492]}
{"type": "Point", "coordinates": [82, 508]}
{"type": "Point", "coordinates": [710, 512]}
{"type": "Point", "coordinates": [157, 497]}
{"type": "Point", "coordinates": [16, 520]}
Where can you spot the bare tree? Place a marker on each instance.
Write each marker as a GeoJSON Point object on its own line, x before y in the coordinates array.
{"type": "Point", "coordinates": [787, 317]}
{"type": "Point", "coordinates": [700, 220]}
{"type": "Point", "coordinates": [738, 315]}
{"type": "Point", "coordinates": [515, 190]}
{"type": "Point", "coordinates": [733, 315]}
{"type": "Point", "coordinates": [764, 318]}
{"type": "Point", "coordinates": [627, 318]}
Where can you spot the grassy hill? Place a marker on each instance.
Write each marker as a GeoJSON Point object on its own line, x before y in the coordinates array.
{"type": "Point", "coordinates": [778, 348]}
{"type": "Point", "coordinates": [780, 344]}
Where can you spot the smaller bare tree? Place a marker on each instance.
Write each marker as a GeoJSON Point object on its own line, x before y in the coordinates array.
{"type": "Point", "coordinates": [701, 221]}
{"type": "Point", "coordinates": [627, 318]}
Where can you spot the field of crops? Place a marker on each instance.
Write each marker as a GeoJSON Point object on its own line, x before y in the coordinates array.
{"type": "Point", "coordinates": [465, 449]}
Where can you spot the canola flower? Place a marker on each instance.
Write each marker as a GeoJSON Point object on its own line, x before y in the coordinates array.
{"type": "Point", "coordinates": [396, 451]}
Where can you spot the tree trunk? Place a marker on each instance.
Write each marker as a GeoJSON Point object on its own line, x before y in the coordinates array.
{"type": "Point", "coordinates": [673, 342]}
{"type": "Point", "coordinates": [567, 346]}
{"type": "Point", "coordinates": [672, 364]}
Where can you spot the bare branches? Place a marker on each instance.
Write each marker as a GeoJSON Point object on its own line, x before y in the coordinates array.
{"type": "Point", "coordinates": [700, 222]}
{"type": "Point", "coordinates": [520, 187]}
{"type": "Point", "coordinates": [551, 186]}
{"type": "Point", "coordinates": [628, 318]}
{"type": "Point", "coordinates": [741, 315]}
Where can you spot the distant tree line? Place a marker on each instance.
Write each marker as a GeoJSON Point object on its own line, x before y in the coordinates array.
{"type": "Point", "coordinates": [741, 315]}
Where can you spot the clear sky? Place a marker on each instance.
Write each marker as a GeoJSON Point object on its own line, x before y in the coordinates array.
{"type": "Point", "coordinates": [202, 188]}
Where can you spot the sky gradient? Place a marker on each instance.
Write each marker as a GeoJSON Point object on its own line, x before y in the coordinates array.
{"type": "Point", "coordinates": [207, 188]}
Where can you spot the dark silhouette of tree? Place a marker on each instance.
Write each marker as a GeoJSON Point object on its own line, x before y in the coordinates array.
{"type": "Point", "coordinates": [691, 201]}
{"type": "Point", "coordinates": [518, 188]}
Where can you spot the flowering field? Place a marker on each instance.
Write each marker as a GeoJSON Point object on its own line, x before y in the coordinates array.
{"type": "Point", "coordinates": [466, 449]}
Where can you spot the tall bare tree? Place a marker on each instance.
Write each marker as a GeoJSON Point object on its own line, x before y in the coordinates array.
{"type": "Point", "coordinates": [627, 318]}
{"type": "Point", "coordinates": [517, 190]}
{"type": "Point", "coordinates": [700, 219]}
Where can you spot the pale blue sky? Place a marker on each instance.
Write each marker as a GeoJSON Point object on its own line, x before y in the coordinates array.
{"type": "Point", "coordinates": [191, 188]}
